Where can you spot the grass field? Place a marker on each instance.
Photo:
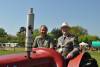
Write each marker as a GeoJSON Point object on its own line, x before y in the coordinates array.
{"type": "Point", "coordinates": [94, 54]}
{"type": "Point", "coordinates": [11, 51]}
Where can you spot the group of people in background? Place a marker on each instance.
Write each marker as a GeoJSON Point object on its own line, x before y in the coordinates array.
{"type": "Point", "coordinates": [67, 44]}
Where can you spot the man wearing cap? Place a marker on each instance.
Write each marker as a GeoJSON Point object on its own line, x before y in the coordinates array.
{"type": "Point", "coordinates": [66, 43]}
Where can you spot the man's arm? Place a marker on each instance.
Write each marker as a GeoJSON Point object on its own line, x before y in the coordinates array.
{"type": "Point", "coordinates": [59, 43]}
{"type": "Point", "coordinates": [76, 49]}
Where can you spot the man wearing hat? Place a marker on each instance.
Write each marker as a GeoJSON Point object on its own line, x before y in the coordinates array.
{"type": "Point", "coordinates": [66, 43]}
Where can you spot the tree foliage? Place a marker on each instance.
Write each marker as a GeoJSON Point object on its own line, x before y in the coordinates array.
{"type": "Point", "coordinates": [2, 32]}
{"type": "Point", "coordinates": [56, 33]}
{"type": "Point", "coordinates": [21, 36]}
{"type": "Point", "coordinates": [77, 30]}
{"type": "Point", "coordinates": [88, 38]}
{"type": "Point", "coordinates": [35, 33]}
{"type": "Point", "coordinates": [82, 34]}
{"type": "Point", "coordinates": [4, 37]}
{"type": "Point", "coordinates": [11, 39]}
{"type": "Point", "coordinates": [22, 29]}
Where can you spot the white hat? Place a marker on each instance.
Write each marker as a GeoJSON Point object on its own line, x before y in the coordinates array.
{"type": "Point", "coordinates": [64, 24]}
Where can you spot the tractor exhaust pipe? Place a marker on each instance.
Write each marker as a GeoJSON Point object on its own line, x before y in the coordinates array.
{"type": "Point", "coordinates": [29, 32]}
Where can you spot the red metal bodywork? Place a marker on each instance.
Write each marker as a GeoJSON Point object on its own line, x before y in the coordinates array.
{"type": "Point", "coordinates": [40, 57]}
{"type": "Point", "coordinates": [75, 62]}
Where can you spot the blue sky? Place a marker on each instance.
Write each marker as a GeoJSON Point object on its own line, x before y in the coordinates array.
{"type": "Point", "coordinates": [85, 13]}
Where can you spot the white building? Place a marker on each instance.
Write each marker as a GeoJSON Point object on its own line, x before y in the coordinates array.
{"type": "Point", "coordinates": [11, 44]}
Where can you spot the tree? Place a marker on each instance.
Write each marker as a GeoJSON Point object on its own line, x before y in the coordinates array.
{"type": "Point", "coordinates": [3, 35]}
{"type": "Point", "coordinates": [22, 29]}
{"type": "Point", "coordinates": [21, 36]}
{"type": "Point", "coordinates": [55, 33]}
{"type": "Point", "coordinates": [12, 39]}
{"type": "Point", "coordinates": [2, 32]}
{"type": "Point", "coordinates": [35, 33]}
{"type": "Point", "coordinates": [83, 38]}
{"type": "Point", "coordinates": [77, 30]}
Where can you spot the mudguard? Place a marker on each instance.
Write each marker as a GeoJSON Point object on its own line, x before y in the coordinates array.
{"type": "Point", "coordinates": [83, 60]}
{"type": "Point", "coordinates": [75, 62]}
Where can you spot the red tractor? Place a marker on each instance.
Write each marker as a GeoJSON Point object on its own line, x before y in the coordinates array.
{"type": "Point", "coordinates": [46, 57]}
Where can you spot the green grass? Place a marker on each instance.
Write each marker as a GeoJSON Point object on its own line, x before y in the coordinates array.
{"type": "Point", "coordinates": [96, 55]}
{"type": "Point", "coordinates": [11, 51]}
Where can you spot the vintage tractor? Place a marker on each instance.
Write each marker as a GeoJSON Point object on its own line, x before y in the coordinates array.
{"type": "Point", "coordinates": [46, 57]}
